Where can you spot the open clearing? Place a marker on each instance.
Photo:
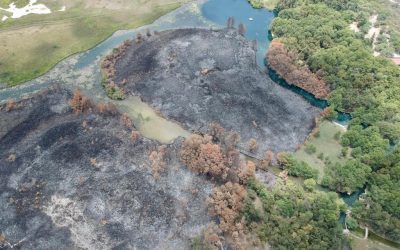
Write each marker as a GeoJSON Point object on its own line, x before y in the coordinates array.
{"type": "Point", "coordinates": [326, 144]}
{"type": "Point", "coordinates": [32, 44]}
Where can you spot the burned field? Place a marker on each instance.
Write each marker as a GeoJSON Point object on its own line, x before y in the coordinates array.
{"type": "Point", "coordinates": [78, 181]}
{"type": "Point", "coordinates": [197, 77]}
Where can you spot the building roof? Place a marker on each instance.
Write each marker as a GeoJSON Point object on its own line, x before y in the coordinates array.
{"type": "Point", "coordinates": [396, 60]}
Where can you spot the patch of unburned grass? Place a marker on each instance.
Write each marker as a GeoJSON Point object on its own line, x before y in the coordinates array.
{"type": "Point", "coordinates": [358, 243]}
{"type": "Point", "coordinates": [33, 44]}
{"type": "Point", "coordinates": [327, 148]}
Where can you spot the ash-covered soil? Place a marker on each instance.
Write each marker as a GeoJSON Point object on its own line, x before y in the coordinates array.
{"type": "Point", "coordinates": [197, 76]}
{"type": "Point", "coordinates": [77, 181]}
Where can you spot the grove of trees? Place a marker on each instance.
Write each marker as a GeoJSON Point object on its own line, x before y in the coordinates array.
{"type": "Point", "coordinates": [317, 33]}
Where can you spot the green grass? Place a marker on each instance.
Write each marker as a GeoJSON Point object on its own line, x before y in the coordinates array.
{"type": "Point", "coordinates": [33, 44]}
{"type": "Point", "coordinates": [324, 143]}
{"type": "Point", "coordinates": [268, 4]}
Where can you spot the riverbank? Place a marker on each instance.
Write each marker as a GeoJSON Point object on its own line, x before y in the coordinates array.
{"type": "Point", "coordinates": [60, 34]}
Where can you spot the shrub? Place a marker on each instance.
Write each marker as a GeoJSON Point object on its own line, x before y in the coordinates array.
{"type": "Point", "coordinates": [126, 121]}
{"type": "Point", "coordinates": [299, 168]}
{"type": "Point", "coordinates": [79, 103]}
{"type": "Point", "coordinates": [246, 172]}
{"type": "Point", "coordinates": [227, 202]}
{"type": "Point", "coordinates": [309, 184]}
{"type": "Point", "coordinates": [200, 155]}
{"type": "Point", "coordinates": [135, 135]}
{"type": "Point", "coordinates": [157, 161]}
{"type": "Point", "coordinates": [253, 145]}
{"type": "Point", "coordinates": [310, 149]}
{"type": "Point", "coordinates": [351, 223]}
{"type": "Point", "coordinates": [10, 105]}
{"type": "Point", "coordinates": [337, 135]}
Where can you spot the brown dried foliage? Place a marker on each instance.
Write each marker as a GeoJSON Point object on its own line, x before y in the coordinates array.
{"type": "Point", "coordinates": [200, 155]}
{"type": "Point", "coordinates": [253, 145]}
{"type": "Point", "coordinates": [284, 63]}
{"type": "Point", "coordinates": [217, 131]}
{"type": "Point", "coordinates": [247, 171]}
{"type": "Point", "coordinates": [158, 162]}
{"type": "Point", "coordinates": [126, 121]}
{"type": "Point", "coordinates": [107, 108]}
{"type": "Point", "coordinates": [226, 201]}
{"type": "Point", "coordinates": [280, 157]}
{"type": "Point", "coordinates": [79, 103]}
{"type": "Point", "coordinates": [267, 160]}
{"type": "Point", "coordinates": [10, 105]}
{"type": "Point", "coordinates": [135, 135]}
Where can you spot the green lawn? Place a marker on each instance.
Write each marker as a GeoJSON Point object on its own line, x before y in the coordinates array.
{"type": "Point", "coordinates": [326, 144]}
{"type": "Point", "coordinates": [33, 44]}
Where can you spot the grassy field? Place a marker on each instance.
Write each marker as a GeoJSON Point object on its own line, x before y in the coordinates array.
{"type": "Point", "coordinates": [324, 143]}
{"type": "Point", "coordinates": [33, 44]}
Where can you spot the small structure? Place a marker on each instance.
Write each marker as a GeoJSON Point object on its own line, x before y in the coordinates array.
{"type": "Point", "coordinates": [396, 60]}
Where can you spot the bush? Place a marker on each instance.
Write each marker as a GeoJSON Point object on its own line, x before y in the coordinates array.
{"type": "Point", "coordinates": [79, 103]}
{"type": "Point", "coordinates": [337, 135]}
{"type": "Point", "coordinates": [310, 149]}
{"type": "Point", "coordinates": [309, 184]}
{"type": "Point", "coordinates": [351, 223]}
{"type": "Point", "coordinates": [299, 168]}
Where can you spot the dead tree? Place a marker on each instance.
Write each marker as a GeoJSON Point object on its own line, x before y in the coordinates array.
{"type": "Point", "coordinates": [230, 22]}
{"type": "Point", "coordinates": [241, 29]}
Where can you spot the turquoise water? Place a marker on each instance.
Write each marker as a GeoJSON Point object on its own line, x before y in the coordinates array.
{"type": "Point", "coordinates": [218, 11]}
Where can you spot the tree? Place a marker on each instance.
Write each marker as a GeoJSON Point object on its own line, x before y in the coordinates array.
{"type": "Point", "coordinates": [230, 23]}
{"type": "Point", "coordinates": [246, 172]}
{"type": "Point", "coordinates": [241, 29]}
{"type": "Point", "coordinates": [253, 145]}
{"type": "Point", "coordinates": [267, 160]}
{"type": "Point", "coordinates": [126, 121]}
{"type": "Point", "coordinates": [157, 160]}
{"type": "Point", "coordinates": [79, 103]}
{"type": "Point", "coordinates": [226, 201]}
{"type": "Point", "coordinates": [348, 177]}
{"type": "Point", "coordinates": [309, 184]}
{"type": "Point", "coordinates": [200, 155]}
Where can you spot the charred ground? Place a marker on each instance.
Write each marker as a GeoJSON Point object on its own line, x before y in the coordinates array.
{"type": "Point", "coordinates": [197, 76]}
{"type": "Point", "coordinates": [74, 181]}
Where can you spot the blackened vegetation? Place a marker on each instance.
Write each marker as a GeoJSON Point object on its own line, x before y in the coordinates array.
{"type": "Point", "coordinates": [76, 180]}
{"type": "Point", "coordinates": [199, 76]}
